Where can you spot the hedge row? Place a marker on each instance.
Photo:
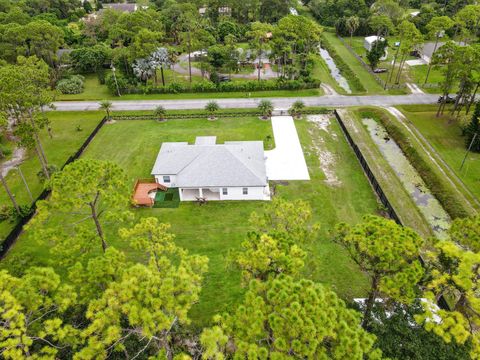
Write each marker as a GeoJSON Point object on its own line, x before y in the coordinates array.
{"type": "Point", "coordinates": [443, 193]}
{"type": "Point", "coordinates": [210, 87]}
{"type": "Point", "coordinates": [345, 70]}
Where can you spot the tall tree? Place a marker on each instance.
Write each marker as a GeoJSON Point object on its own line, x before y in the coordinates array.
{"type": "Point", "coordinates": [88, 193]}
{"type": "Point", "coordinates": [472, 131]}
{"type": "Point", "coordinates": [448, 57]}
{"type": "Point", "coordinates": [259, 36]}
{"type": "Point", "coordinates": [32, 312]}
{"type": "Point", "coordinates": [160, 58]}
{"type": "Point", "coordinates": [284, 318]}
{"type": "Point", "coordinates": [23, 93]}
{"type": "Point", "coordinates": [276, 245]}
{"type": "Point", "coordinates": [352, 23]}
{"type": "Point", "coordinates": [388, 253]}
{"type": "Point", "coordinates": [152, 300]}
{"type": "Point", "coordinates": [406, 31]}
{"type": "Point", "coordinates": [437, 28]}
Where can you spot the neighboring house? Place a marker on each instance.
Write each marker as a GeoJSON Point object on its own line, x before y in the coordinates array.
{"type": "Point", "coordinates": [124, 7]}
{"type": "Point", "coordinates": [234, 170]}
{"type": "Point", "coordinates": [121, 7]}
{"type": "Point", "coordinates": [222, 10]}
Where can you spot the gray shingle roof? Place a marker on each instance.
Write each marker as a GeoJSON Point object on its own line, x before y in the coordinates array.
{"type": "Point", "coordinates": [239, 163]}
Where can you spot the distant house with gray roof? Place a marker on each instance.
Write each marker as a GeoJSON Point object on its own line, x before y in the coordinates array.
{"type": "Point", "coordinates": [234, 170]}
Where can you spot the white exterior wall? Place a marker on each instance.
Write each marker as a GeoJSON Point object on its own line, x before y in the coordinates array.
{"type": "Point", "coordinates": [234, 193]}
{"type": "Point", "coordinates": [173, 178]}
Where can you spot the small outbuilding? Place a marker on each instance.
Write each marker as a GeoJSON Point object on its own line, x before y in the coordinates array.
{"type": "Point", "coordinates": [370, 41]}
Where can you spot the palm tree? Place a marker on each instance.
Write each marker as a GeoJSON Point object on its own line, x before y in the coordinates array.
{"type": "Point", "coordinates": [212, 107]}
{"type": "Point", "coordinates": [266, 108]}
{"type": "Point", "coordinates": [106, 106]}
{"type": "Point", "coordinates": [352, 24]}
{"type": "Point", "coordinates": [297, 108]}
{"type": "Point", "coordinates": [143, 69]}
{"type": "Point", "coordinates": [160, 113]}
{"type": "Point", "coordinates": [159, 58]}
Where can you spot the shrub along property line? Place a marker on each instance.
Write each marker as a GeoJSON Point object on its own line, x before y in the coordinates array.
{"type": "Point", "coordinates": [443, 193]}
{"type": "Point", "coordinates": [203, 114]}
{"type": "Point", "coordinates": [345, 70]}
{"type": "Point", "coordinates": [210, 87]}
{"type": "Point", "coordinates": [18, 228]}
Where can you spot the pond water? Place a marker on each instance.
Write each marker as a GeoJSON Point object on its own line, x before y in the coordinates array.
{"type": "Point", "coordinates": [429, 206]}
{"type": "Point", "coordinates": [334, 71]}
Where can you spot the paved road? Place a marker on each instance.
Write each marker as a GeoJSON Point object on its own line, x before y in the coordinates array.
{"type": "Point", "coordinates": [280, 103]}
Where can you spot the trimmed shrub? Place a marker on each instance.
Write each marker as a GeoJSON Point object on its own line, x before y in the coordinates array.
{"type": "Point", "coordinates": [73, 84]}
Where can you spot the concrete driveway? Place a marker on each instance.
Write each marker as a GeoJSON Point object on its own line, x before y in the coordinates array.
{"type": "Point", "coordinates": [286, 161]}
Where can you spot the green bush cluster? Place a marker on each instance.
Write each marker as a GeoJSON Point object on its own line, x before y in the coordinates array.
{"type": "Point", "coordinates": [74, 84]}
{"type": "Point", "coordinates": [443, 193]}
{"type": "Point", "coordinates": [9, 213]}
{"type": "Point", "coordinates": [351, 77]}
{"type": "Point", "coordinates": [208, 86]}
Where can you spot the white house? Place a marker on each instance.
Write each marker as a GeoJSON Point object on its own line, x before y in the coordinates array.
{"type": "Point", "coordinates": [370, 40]}
{"type": "Point", "coordinates": [206, 170]}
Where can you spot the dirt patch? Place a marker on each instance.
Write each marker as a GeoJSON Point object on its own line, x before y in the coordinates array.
{"type": "Point", "coordinates": [109, 122]}
{"type": "Point", "coordinates": [17, 158]}
{"type": "Point", "coordinates": [326, 157]}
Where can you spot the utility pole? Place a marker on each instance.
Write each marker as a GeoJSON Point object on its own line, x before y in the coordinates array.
{"type": "Point", "coordinates": [468, 150]}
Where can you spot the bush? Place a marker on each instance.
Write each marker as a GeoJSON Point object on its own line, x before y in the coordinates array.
{"type": "Point", "coordinates": [122, 82]}
{"type": "Point", "coordinates": [208, 86]}
{"type": "Point", "coordinates": [73, 84]}
{"type": "Point", "coordinates": [11, 214]}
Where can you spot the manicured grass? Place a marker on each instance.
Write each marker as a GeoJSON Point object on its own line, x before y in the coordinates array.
{"type": "Point", "coordinates": [367, 80]}
{"type": "Point", "coordinates": [218, 227]}
{"type": "Point", "coordinates": [444, 134]}
{"type": "Point", "coordinates": [95, 91]}
{"type": "Point", "coordinates": [65, 142]}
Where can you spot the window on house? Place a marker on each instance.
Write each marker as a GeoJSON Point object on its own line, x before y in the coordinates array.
{"type": "Point", "coordinates": [245, 191]}
{"type": "Point", "coordinates": [224, 191]}
{"type": "Point", "coordinates": [166, 179]}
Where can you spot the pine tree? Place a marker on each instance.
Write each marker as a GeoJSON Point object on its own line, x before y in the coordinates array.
{"type": "Point", "coordinates": [472, 131]}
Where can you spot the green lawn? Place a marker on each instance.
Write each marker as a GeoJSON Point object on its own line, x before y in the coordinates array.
{"type": "Point", "coordinates": [322, 73]}
{"type": "Point", "coordinates": [66, 140]}
{"type": "Point", "coordinates": [367, 80]}
{"type": "Point", "coordinates": [95, 91]}
{"type": "Point", "coordinates": [444, 135]}
{"type": "Point", "coordinates": [412, 74]}
{"type": "Point", "coordinates": [218, 227]}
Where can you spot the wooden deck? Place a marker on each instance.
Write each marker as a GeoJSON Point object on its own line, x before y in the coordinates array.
{"type": "Point", "coordinates": [142, 190]}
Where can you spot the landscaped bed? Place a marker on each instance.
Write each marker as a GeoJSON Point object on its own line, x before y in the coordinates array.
{"type": "Point", "coordinates": [217, 228]}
